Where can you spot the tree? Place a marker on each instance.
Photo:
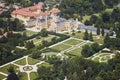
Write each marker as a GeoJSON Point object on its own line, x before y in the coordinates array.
{"type": "Point", "coordinates": [87, 22]}
{"type": "Point", "coordinates": [93, 19]}
{"type": "Point", "coordinates": [44, 33]}
{"type": "Point", "coordinates": [95, 47]}
{"type": "Point", "coordinates": [29, 44]}
{"type": "Point", "coordinates": [106, 39]}
{"type": "Point", "coordinates": [89, 72]}
{"type": "Point", "coordinates": [3, 39]}
{"type": "Point", "coordinates": [1, 32]}
{"type": "Point", "coordinates": [106, 17]}
{"type": "Point", "coordinates": [12, 75]}
{"type": "Point", "coordinates": [44, 73]}
{"type": "Point", "coordinates": [44, 43]}
{"type": "Point", "coordinates": [102, 74]}
{"type": "Point", "coordinates": [87, 51]}
{"type": "Point", "coordinates": [86, 35]}
{"type": "Point", "coordinates": [91, 36]}
{"type": "Point", "coordinates": [102, 32]}
{"type": "Point", "coordinates": [98, 30]}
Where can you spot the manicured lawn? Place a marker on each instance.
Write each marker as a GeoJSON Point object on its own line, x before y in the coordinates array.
{"type": "Point", "coordinates": [105, 57]}
{"type": "Point", "coordinates": [99, 39]}
{"type": "Point", "coordinates": [96, 59]}
{"type": "Point", "coordinates": [29, 33]}
{"type": "Point", "coordinates": [32, 61]}
{"type": "Point", "coordinates": [33, 75]}
{"type": "Point", "coordinates": [24, 76]}
{"type": "Point", "coordinates": [109, 10]}
{"type": "Point", "coordinates": [61, 47]}
{"type": "Point", "coordinates": [21, 62]}
{"type": "Point", "coordinates": [78, 35]}
{"type": "Point", "coordinates": [39, 41]}
{"type": "Point", "coordinates": [45, 64]}
{"type": "Point", "coordinates": [102, 56]}
{"type": "Point", "coordinates": [2, 76]}
{"type": "Point", "coordinates": [86, 17]}
{"type": "Point", "coordinates": [5, 68]}
{"type": "Point", "coordinates": [76, 52]}
{"type": "Point", "coordinates": [73, 42]}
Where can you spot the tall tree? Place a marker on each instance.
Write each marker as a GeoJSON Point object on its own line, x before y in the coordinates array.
{"type": "Point", "coordinates": [102, 32]}
{"type": "Point", "coordinates": [87, 51]}
{"type": "Point", "coordinates": [12, 75]}
{"type": "Point", "coordinates": [91, 36]}
{"type": "Point", "coordinates": [86, 35]}
{"type": "Point", "coordinates": [98, 30]}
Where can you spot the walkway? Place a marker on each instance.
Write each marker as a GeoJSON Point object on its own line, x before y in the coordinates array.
{"type": "Point", "coordinates": [21, 67]}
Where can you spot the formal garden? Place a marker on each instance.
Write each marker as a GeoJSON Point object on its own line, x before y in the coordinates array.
{"type": "Point", "coordinates": [102, 56]}
{"type": "Point", "coordinates": [71, 46]}
{"type": "Point", "coordinates": [27, 66]}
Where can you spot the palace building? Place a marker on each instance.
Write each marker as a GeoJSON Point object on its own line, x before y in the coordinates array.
{"type": "Point", "coordinates": [34, 16]}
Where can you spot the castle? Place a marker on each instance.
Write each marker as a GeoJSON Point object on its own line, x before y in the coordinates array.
{"type": "Point", "coordinates": [34, 16]}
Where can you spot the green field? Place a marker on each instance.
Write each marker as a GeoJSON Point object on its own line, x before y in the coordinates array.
{"type": "Point", "coordinates": [78, 35]}
{"type": "Point", "coordinates": [96, 59]}
{"type": "Point", "coordinates": [61, 47]}
{"type": "Point", "coordinates": [73, 42]}
{"type": "Point", "coordinates": [21, 62]}
{"type": "Point", "coordinates": [33, 75]}
{"type": "Point", "coordinates": [86, 17]}
{"type": "Point", "coordinates": [5, 68]}
{"type": "Point", "coordinates": [37, 41]}
{"type": "Point", "coordinates": [32, 61]}
{"type": "Point", "coordinates": [99, 40]}
{"type": "Point", "coordinates": [45, 64]}
{"type": "Point", "coordinates": [2, 76]}
{"type": "Point", "coordinates": [29, 33]}
{"type": "Point", "coordinates": [76, 52]}
{"type": "Point", "coordinates": [25, 76]}
{"type": "Point", "coordinates": [95, 37]}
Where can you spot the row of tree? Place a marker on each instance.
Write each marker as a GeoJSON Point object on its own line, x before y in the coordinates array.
{"type": "Point", "coordinates": [88, 36]}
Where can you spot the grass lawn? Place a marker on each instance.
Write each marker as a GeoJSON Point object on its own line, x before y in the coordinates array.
{"type": "Point", "coordinates": [21, 62]}
{"type": "Point", "coordinates": [104, 54]}
{"type": "Point", "coordinates": [2, 76]}
{"type": "Point", "coordinates": [61, 47]}
{"type": "Point", "coordinates": [73, 42]}
{"type": "Point", "coordinates": [5, 68]}
{"type": "Point", "coordinates": [86, 17]}
{"type": "Point", "coordinates": [39, 41]}
{"type": "Point", "coordinates": [109, 10]}
{"type": "Point", "coordinates": [78, 35]}
{"type": "Point", "coordinates": [76, 52]}
{"type": "Point", "coordinates": [29, 33]}
{"type": "Point", "coordinates": [32, 61]}
{"type": "Point", "coordinates": [96, 59]}
{"type": "Point", "coordinates": [105, 57]}
{"type": "Point", "coordinates": [24, 76]}
{"type": "Point", "coordinates": [99, 40]}
{"type": "Point", "coordinates": [33, 75]}
{"type": "Point", "coordinates": [45, 64]}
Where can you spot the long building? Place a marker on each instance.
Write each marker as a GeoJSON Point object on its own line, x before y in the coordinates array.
{"type": "Point", "coordinates": [34, 16]}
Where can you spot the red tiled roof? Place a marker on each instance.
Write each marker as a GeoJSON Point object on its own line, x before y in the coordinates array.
{"type": "Point", "coordinates": [55, 10]}
{"type": "Point", "coordinates": [28, 11]}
